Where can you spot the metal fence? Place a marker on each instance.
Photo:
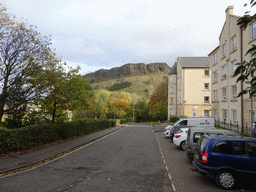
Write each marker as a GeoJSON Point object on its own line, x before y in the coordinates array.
{"type": "Point", "coordinates": [233, 126]}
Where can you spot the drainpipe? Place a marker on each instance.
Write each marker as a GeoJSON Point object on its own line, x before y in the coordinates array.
{"type": "Point", "coordinates": [242, 97]}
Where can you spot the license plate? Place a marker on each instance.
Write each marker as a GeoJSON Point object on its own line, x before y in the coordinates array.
{"type": "Point", "coordinates": [196, 156]}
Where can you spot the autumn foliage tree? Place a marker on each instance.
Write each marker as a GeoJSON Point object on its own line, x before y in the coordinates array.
{"type": "Point", "coordinates": [23, 53]}
{"type": "Point", "coordinates": [158, 102]}
{"type": "Point", "coordinates": [120, 104]}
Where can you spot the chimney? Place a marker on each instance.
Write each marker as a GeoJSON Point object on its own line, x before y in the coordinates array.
{"type": "Point", "coordinates": [229, 10]}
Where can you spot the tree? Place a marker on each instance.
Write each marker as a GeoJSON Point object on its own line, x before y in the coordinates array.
{"type": "Point", "coordinates": [141, 111]}
{"type": "Point", "coordinates": [158, 101]}
{"type": "Point", "coordinates": [65, 91]}
{"type": "Point", "coordinates": [119, 104]}
{"type": "Point", "coordinates": [23, 54]}
{"type": "Point", "coordinates": [101, 100]}
{"type": "Point", "coordinates": [246, 69]}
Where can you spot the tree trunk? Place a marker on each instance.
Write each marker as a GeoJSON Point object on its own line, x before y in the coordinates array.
{"type": "Point", "coordinates": [54, 111]}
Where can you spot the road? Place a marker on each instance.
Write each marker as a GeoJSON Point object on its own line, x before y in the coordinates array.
{"type": "Point", "coordinates": [134, 158]}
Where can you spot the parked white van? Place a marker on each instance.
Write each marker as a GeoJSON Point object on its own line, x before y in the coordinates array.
{"type": "Point", "coordinates": [195, 122]}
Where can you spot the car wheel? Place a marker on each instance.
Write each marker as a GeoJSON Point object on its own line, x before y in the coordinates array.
{"type": "Point", "coordinates": [225, 179]}
{"type": "Point", "coordinates": [183, 145]}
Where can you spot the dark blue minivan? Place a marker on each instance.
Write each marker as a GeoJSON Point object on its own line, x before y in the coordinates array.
{"type": "Point", "coordinates": [226, 158]}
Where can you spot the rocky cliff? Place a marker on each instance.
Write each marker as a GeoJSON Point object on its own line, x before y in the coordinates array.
{"type": "Point", "coordinates": [128, 70]}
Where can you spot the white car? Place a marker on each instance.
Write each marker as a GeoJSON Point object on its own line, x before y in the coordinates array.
{"type": "Point", "coordinates": [167, 131]}
{"type": "Point", "coordinates": [168, 127]}
{"type": "Point", "coordinates": [180, 137]}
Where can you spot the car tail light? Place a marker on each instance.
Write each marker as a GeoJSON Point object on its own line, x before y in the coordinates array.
{"type": "Point", "coordinates": [172, 132]}
{"type": "Point", "coordinates": [189, 149]}
{"type": "Point", "coordinates": [205, 157]}
{"type": "Point", "coordinates": [177, 136]}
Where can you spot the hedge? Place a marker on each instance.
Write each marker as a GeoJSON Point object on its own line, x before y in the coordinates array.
{"type": "Point", "coordinates": [34, 135]}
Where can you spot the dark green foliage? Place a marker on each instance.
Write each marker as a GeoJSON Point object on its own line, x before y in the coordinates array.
{"type": "Point", "coordinates": [34, 135]}
{"type": "Point", "coordinates": [120, 86]}
{"type": "Point", "coordinates": [174, 119]}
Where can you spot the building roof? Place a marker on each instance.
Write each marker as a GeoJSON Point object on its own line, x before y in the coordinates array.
{"type": "Point", "coordinates": [174, 69]}
{"type": "Point", "coordinates": [194, 62]}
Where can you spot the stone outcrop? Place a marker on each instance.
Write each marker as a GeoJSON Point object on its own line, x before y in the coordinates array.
{"type": "Point", "coordinates": [128, 70]}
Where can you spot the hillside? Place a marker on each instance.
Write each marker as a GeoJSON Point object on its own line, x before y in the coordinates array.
{"type": "Point", "coordinates": [140, 87]}
{"type": "Point", "coordinates": [128, 70]}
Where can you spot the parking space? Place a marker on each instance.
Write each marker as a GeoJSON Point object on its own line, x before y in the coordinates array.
{"type": "Point", "coordinates": [182, 178]}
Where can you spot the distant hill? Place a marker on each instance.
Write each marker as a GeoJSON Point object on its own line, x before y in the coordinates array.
{"type": "Point", "coordinates": [128, 70]}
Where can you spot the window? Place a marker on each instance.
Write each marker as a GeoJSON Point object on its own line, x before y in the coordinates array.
{"type": "Point", "coordinates": [245, 149]}
{"type": "Point", "coordinates": [171, 111]}
{"type": "Point", "coordinates": [234, 43]}
{"type": "Point", "coordinates": [234, 91]}
{"type": "Point", "coordinates": [206, 73]}
{"type": "Point", "coordinates": [254, 30]}
{"type": "Point", "coordinates": [206, 113]}
{"type": "Point", "coordinates": [206, 99]}
{"type": "Point", "coordinates": [171, 100]}
{"type": "Point", "coordinates": [171, 89]}
{"type": "Point", "coordinates": [224, 70]}
{"type": "Point", "coordinates": [224, 50]}
{"type": "Point", "coordinates": [197, 136]}
{"type": "Point", "coordinates": [185, 122]}
{"type": "Point", "coordinates": [215, 95]}
{"type": "Point", "coordinates": [225, 114]}
{"type": "Point", "coordinates": [234, 65]}
{"type": "Point", "coordinates": [215, 76]}
{"type": "Point", "coordinates": [215, 58]}
{"type": "Point", "coordinates": [224, 93]}
{"type": "Point", "coordinates": [234, 115]}
{"type": "Point", "coordinates": [207, 86]}
{"type": "Point", "coordinates": [215, 113]}
{"type": "Point", "coordinates": [223, 147]}
{"type": "Point", "coordinates": [170, 78]}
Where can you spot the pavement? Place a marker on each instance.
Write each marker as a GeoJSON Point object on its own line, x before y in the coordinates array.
{"type": "Point", "coordinates": [24, 160]}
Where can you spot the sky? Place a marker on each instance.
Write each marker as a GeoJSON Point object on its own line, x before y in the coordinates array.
{"type": "Point", "coordinates": [102, 34]}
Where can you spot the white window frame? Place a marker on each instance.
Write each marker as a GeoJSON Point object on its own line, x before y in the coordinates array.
{"type": "Point", "coordinates": [215, 58]}
{"type": "Point", "coordinates": [171, 111]}
{"type": "Point", "coordinates": [224, 71]}
{"type": "Point", "coordinates": [170, 78]}
{"type": "Point", "coordinates": [171, 100]}
{"type": "Point", "coordinates": [215, 76]}
{"type": "Point", "coordinates": [206, 113]}
{"type": "Point", "coordinates": [224, 50]}
{"type": "Point", "coordinates": [253, 30]}
{"type": "Point", "coordinates": [215, 111]}
{"type": "Point", "coordinates": [234, 116]}
{"type": "Point", "coordinates": [234, 91]}
{"type": "Point", "coordinates": [171, 89]}
{"type": "Point", "coordinates": [234, 42]}
{"type": "Point", "coordinates": [225, 114]}
{"type": "Point", "coordinates": [224, 96]}
{"type": "Point", "coordinates": [206, 74]}
{"type": "Point", "coordinates": [206, 86]}
{"type": "Point", "coordinates": [205, 100]}
{"type": "Point", "coordinates": [215, 95]}
{"type": "Point", "coordinates": [234, 66]}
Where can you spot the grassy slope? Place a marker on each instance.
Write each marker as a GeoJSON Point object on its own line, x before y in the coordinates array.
{"type": "Point", "coordinates": [142, 86]}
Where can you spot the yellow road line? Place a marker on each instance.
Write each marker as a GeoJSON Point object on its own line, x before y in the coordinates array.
{"type": "Point", "coordinates": [67, 153]}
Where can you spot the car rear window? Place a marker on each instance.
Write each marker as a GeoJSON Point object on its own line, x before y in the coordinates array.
{"type": "Point", "coordinates": [197, 136]}
{"type": "Point", "coordinates": [245, 149]}
{"type": "Point", "coordinates": [223, 147]}
{"type": "Point", "coordinates": [201, 143]}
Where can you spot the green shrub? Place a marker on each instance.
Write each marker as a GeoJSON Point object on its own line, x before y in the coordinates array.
{"type": "Point", "coordinates": [119, 86]}
{"type": "Point", "coordinates": [174, 119]}
{"type": "Point", "coordinates": [33, 135]}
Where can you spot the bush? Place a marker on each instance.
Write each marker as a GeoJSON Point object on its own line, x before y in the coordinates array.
{"type": "Point", "coordinates": [33, 135]}
{"type": "Point", "coordinates": [174, 119]}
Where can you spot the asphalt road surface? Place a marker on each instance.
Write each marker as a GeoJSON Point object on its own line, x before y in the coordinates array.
{"type": "Point", "coordinates": [127, 160]}
{"type": "Point", "coordinates": [134, 158]}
